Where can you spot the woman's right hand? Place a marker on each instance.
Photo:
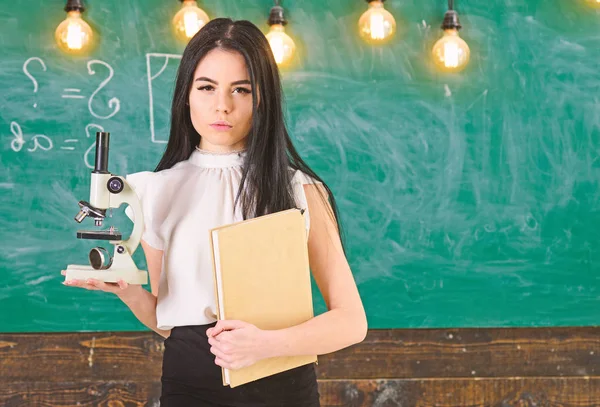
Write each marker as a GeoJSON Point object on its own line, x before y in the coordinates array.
{"type": "Point", "coordinates": [120, 288]}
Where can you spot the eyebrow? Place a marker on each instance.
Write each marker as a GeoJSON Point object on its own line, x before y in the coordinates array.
{"type": "Point", "coordinates": [204, 78]}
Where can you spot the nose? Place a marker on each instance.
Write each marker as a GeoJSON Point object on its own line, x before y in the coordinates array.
{"type": "Point", "coordinates": [224, 102]}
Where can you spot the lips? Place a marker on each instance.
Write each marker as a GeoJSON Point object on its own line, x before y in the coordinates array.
{"type": "Point", "coordinates": [221, 125]}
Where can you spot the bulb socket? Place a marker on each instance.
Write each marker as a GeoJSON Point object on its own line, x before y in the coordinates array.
{"type": "Point", "coordinates": [451, 21]}
{"type": "Point", "coordinates": [277, 16]}
{"type": "Point", "coordinates": [74, 5]}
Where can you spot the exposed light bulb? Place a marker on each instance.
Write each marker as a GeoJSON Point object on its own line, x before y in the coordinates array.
{"type": "Point", "coordinates": [451, 53]}
{"type": "Point", "coordinates": [73, 35]}
{"type": "Point", "coordinates": [376, 25]}
{"type": "Point", "coordinates": [282, 45]}
{"type": "Point", "coordinates": [189, 20]}
{"type": "Point", "coordinates": [593, 3]}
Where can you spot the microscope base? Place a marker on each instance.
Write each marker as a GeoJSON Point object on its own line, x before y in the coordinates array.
{"type": "Point", "coordinates": [81, 272]}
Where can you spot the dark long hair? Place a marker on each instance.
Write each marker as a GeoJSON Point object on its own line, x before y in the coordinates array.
{"type": "Point", "coordinates": [266, 177]}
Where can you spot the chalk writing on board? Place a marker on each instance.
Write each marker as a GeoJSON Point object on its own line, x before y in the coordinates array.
{"type": "Point", "coordinates": [40, 141]}
{"type": "Point", "coordinates": [151, 77]}
{"type": "Point", "coordinates": [30, 76]}
{"type": "Point", "coordinates": [70, 94]}
{"type": "Point", "coordinates": [114, 102]}
{"type": "Point", "coordinates": [86, 156]}
{"type": "Point", "coordinates": [17, 143]}
{"type": "Point", "coordinates": [69, 141]}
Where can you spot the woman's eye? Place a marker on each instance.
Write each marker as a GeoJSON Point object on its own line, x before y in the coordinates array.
{"type": "Point", "coordinates": [242, 90]}
{"type": "Point", "coordinates": [206, 87]}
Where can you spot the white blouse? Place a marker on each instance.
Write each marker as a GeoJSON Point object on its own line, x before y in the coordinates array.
{"type": "Point", "coordinates": [180, 205]}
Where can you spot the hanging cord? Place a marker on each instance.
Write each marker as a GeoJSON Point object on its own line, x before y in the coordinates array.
{"type": "Point", "coordinates": [450, 4]}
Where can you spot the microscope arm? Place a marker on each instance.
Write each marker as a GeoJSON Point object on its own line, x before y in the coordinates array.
{"type": "Point", "coordinates": [102, 197]}
{"type": "Point", "coordinates": [129, 197]}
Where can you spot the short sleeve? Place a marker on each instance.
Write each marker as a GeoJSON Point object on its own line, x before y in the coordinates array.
{"type": "Point", "coordinates": [143, 185]}
{"type": "Point", "coordinates": [300, 179]}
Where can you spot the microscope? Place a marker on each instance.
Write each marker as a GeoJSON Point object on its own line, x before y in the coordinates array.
{"type": "Point", "coordinates": [109, 191]}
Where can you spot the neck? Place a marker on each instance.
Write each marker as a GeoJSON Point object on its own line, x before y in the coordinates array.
{"type": "Point", "coordinates": [219, 149]}
{"type": "Point", "coordinates": [219, 152]}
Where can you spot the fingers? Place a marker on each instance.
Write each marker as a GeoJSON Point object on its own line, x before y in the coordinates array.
{"type": "Point", "coordinates": [101, 285]}
{"type": "Point", "coordinates": [213, 340]}
{"type": "Point", "coordinates": [219, 353]}
{"type": "Point", "coordinates": [97, 285]}
{"type": "Point", "coordinates": [222, 363]}
{"type": "Point", "coordinates": [229, 324]}
{"type": "Point", "coordinates": [225, 325]}
{"type": "Point", "coordinates": [214, 331]}
{"type": "Point", "coordinates": [80, 284]}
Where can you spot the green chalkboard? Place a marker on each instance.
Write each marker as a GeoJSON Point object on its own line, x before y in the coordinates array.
{"type": "Point", "coordinates": [468, 200]}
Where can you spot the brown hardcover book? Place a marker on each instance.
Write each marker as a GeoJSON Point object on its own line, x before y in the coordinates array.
{"type": "Point", "coordinates": [262, 276]}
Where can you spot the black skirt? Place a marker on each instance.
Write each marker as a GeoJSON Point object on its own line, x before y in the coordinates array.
{"type": "Point", "coordinates": [191, 378]}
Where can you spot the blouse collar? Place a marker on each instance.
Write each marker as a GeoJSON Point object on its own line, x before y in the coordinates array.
{"type": "Point", "coordinates": [211, 159]}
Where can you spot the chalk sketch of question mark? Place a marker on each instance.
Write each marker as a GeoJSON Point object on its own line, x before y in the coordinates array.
{"type": "Point", "coordinates": [35, 84]}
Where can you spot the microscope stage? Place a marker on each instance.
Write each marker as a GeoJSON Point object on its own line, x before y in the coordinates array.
{"type": "Point", "coordinates": [98, 235]}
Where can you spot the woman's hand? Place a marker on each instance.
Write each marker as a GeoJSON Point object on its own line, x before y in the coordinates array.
{"type": "Point", "coordinates": [121, 288]}
{"type": "Point", "coordinates": [237, 344]}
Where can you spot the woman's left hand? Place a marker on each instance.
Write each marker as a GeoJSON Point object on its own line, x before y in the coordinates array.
{"type": "Point", "coordinates": [237, 344]}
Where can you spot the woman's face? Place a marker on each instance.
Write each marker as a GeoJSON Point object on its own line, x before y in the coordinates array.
{"type": "Point", "coordinates": [221, 101]}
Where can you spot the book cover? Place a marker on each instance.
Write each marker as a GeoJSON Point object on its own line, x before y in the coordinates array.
{"type": "Point", "coordinates": [262, 276]}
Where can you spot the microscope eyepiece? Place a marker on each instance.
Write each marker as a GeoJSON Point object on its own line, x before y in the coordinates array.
{"type": "Point", "coordinates": [102, 141]}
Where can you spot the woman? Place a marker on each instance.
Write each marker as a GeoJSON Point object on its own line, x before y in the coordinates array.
{"type": "Point", "coordinates": [229, 158]}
